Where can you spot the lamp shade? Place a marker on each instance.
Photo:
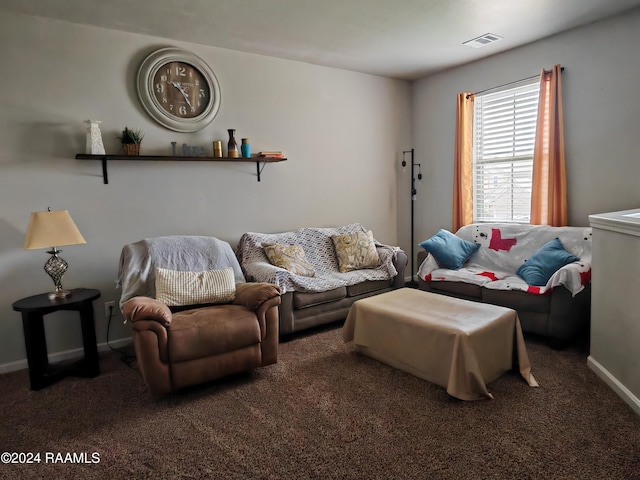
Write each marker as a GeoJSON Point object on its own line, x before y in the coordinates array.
{"type": "Point", "coordinates": [51, 229]}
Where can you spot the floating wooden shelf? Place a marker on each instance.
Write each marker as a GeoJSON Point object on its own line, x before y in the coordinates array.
{"type": "Point", "coordinates": [157, 158]}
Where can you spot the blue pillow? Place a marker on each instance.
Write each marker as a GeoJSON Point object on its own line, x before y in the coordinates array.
{"type": "Point", "coordinates": [449, 250]}
{"type": "Point", "coordinates": [538, 269]}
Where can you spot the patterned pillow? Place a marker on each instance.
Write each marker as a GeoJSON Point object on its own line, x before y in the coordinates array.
{"type": "Point", "coordinates": [289, 257]}
{"type": "Point", "coordinates": [175, 288]}
{"type": "Point", "coordinates": [355, 251]}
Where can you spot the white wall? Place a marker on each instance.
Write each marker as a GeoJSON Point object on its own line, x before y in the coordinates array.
{"type": "Point", "coordinates": [341, 131]}
{"type": "Point", "coordinates": [601, 114]}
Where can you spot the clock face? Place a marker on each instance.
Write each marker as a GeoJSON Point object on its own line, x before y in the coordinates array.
{"type": "Point", "coordinates": [181, 90]}
{"type": "Point", "coordinates": [178, 90]}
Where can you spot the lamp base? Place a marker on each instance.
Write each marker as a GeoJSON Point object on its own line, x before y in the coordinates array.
{"type": "Point", "coordinates": [56, 267]}
{"type": "Point", "coordinates": [59, 294]}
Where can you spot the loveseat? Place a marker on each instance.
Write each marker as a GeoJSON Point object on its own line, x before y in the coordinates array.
{"type": "Point", "coordinates": [315, 290]}
{"type": "Point", "coordinates": [558, 309]}
{"type": "Point", "coordinates": [193, 316]}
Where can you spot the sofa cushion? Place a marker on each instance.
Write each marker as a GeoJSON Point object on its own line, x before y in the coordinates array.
{"type": "Point", "coordinates": [304, 299]}
{"type": "Point", "coordinates": [355, 251]}
{"type": "Point", "coordinates": [189, 288]}
{"type": "Point", "coordinates": [367, 286]}
{"type": "Point", "coordinates": [518, 300]}
{"type": "Point", "coordinates": [538, 269]}
{"type": "Point", "coordinates": [457, 289]}
{"type": "Point", "coordinates": [289, 257]}
{"type": "Point", "coordinates": [449, 250]}
{"type": "Point", "coordinates": [207, 331]}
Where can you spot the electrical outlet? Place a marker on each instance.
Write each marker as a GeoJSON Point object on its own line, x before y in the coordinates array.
{"type": "Point", "coordinates": [107, 306]}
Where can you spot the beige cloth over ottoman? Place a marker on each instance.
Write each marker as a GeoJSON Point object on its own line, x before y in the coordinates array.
{"type": "Point", "coordinates": [457, 344]}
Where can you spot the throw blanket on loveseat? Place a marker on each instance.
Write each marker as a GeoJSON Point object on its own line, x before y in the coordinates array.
{"type": "Point", "coordinates": [505, 247]}
{"type": "Point", "coordinates": [320, 252]}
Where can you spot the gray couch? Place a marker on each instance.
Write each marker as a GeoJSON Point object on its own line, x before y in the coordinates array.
{"type": "Point", "coordinates": [558, 313]}
{"type": "Point", "coordinates": [302, 310]}
{"type": "Point", "coordinates": [327, 297]}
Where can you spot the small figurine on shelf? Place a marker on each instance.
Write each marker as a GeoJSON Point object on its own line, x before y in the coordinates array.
{"type": "Point", "coordinates": [94, 138]}
{"type": "Point", "coordinates": [131, 139]}
{"type": "Point", "coordinates": [189, 151]}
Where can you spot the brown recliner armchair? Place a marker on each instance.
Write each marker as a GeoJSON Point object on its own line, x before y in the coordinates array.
{"type": "Point", "coordinates": [179, 349]}
{"type": "Point", "coordinates": [182, 346]}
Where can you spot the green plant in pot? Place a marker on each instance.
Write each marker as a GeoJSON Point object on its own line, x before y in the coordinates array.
{"type": "Point", "coordinates": [131, 138]}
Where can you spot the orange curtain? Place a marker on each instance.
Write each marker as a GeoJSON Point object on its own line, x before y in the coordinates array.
{"type": "Point", "coordinates": [463, 163]}
{"type": "Point", "coordinates": [549, 183]}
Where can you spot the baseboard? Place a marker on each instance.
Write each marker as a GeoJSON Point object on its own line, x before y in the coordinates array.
{"type": "Point", "coordinates": [66, 355]}
{"type": "Point", "coordinates": [622, 391]}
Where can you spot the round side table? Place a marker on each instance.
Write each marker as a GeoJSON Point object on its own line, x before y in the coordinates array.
{"type": "Point", "coordinates": [33, 309]}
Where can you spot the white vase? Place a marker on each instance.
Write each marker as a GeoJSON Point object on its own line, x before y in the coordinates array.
{"type": "Point", "coordinates": [94, 138]}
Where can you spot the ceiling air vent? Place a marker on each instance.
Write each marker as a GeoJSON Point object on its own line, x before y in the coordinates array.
{"type": "Point", "coordinates": [482, 40]}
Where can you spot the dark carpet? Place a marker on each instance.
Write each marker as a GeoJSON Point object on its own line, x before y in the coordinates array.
{"type": "Point", "coordinates": [323, 411]}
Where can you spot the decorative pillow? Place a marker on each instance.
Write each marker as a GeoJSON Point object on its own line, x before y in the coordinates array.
{"type": "Point", "coordinates": [538, 269]}
{"type": "Point", "coordinates": [289, 257]}
{"type": "Point", "coordinates": [355, 251]}
{"type": "Point", "coordinates": [449, 250]}
{"type": "Point", "coordinates": [176, 288]}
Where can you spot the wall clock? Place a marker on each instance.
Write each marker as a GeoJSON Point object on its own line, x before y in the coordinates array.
{"type": "Point", "coordinates": [178, 90]}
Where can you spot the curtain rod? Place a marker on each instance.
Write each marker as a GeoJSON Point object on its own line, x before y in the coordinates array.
{"type": "Point", "coordinates": [507, 84]}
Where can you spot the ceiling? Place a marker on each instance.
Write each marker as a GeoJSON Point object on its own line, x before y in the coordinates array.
{"type": "Point", "coordinates": [405, 39]}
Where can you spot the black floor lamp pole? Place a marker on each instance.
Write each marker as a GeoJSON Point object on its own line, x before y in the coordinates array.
{"type": "Point", "coordinates": [412, 283]}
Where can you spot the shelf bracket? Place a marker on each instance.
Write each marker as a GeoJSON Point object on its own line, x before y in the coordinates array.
{"type": "Point", "coordinates": [258, 169]}
{"type": "Point", "coordinates": [105, 175]}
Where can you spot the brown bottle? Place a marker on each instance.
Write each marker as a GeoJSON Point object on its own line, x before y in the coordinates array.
{"type": "Point", "coordinates": [232, 146]}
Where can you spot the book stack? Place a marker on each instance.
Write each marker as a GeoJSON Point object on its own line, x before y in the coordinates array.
{"type": "Point", "coordinates": [271, 154]}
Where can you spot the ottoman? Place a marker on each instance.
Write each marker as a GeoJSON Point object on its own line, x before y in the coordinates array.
{"type": "Point", "coordinates": [457, 344]}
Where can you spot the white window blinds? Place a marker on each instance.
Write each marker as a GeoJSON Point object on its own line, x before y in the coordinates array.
{"type": "Point", "coordinates": [504, 134]}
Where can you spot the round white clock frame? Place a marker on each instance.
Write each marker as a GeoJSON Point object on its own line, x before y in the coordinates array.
{"type": "Point", "coordinates": [145, 85]}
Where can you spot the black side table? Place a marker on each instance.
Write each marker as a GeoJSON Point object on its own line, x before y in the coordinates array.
{"type": "Point", "coordinates": [33, 309]}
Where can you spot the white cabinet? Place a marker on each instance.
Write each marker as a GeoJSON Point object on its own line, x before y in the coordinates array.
{"type": "Point", "coordinates": [615, 302]}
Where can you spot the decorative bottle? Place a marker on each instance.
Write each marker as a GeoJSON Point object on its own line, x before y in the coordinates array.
{"type": "Point", "coordinates": [217, 149]}
{"type": "Point", "coordinates": [245, 147]}
{"type": "Point", "coordinates": [232, 146]}
{"type": "Point", "coordinates": [94, 138]}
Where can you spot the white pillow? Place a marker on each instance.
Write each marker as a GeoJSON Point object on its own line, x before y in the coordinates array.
{"type": "Point", "coordinates": [176, 288]}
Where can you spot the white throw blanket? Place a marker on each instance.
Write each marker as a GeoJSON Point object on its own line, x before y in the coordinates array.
{"type": "Point", "coordinates": [319, 250]}
{"type": "Point", "coordinates": [139, 260]}
{"type": "Point", "coordinates": [505, 247]}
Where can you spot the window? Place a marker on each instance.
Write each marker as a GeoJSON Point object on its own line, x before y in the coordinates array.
{"type": "Point", "coordinates": [503, 138]}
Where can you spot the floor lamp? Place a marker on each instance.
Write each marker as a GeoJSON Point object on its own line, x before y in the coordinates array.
{"type": "Point", "coordinates": [412, 283]}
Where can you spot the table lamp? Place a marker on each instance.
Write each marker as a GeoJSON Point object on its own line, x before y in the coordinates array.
{"type": "Point", "coordinates": [53, 229]}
